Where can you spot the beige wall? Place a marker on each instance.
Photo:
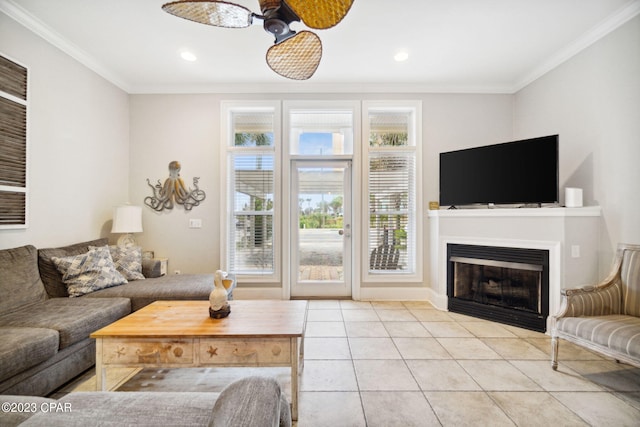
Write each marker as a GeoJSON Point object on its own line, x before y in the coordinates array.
{"type": "Point", "coordinates": [78, 135]}
{"type": "Point", "coordinates": [187, 128]}
{"type": "Point", "coordinates": [593, 102]}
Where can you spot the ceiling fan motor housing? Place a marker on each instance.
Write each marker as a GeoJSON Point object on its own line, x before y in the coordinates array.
{"type": "Point", "coordinates": [277, 17]}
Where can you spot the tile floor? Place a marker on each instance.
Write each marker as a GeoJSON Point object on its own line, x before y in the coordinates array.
{"type": "Point", "coordinates": [408, 364]}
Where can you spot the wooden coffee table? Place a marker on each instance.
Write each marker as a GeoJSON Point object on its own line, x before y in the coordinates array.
{"type": "Point", "coordinates": [180, 334]}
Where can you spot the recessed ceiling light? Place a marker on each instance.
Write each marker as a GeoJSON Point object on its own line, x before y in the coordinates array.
{"type": "Point", "coordinates": [188, 56]}
{"type": "Point", "coordinates": [401, 56]}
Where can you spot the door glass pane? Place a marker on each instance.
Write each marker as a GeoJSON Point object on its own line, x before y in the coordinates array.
{"type": "Point", "coordinates": [320, 224]}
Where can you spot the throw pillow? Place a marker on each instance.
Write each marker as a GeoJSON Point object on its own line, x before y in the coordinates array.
{"type": "Point", "coordinates": [128, 261]}
{"type": "Point", "coordinates": [88, 272]}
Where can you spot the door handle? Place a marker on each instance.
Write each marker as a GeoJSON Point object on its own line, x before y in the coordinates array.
{"type": "Point", "coordinates": [342, 233]}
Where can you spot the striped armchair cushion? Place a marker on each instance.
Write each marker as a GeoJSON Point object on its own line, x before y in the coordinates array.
{"type": "Point", "coordinates": [603, 302]}
{"type": "Point", "coordinates": [617, 332]}
{"type": "Point", "coordinates": [630, 276]}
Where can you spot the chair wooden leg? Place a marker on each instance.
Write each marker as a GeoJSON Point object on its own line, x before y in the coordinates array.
{"type": "Point", "coordinates": [554, 353]}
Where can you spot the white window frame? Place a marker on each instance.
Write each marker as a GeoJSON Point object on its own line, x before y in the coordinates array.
{"type": "Point", "coordinates": [414, 108]}
{"type": "Point", "coordinates": [227, 109]}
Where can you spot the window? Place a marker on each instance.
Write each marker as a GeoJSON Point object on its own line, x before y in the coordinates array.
{"type": "Point", "coordinates": [393, 236]}
{"type": "Point", "coordinates": [251, 228]}
{"type": "Point", "coordinates": [13, 144]}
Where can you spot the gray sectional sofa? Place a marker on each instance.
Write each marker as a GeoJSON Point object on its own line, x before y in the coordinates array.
{"type": "Point", "coordinates": [44, 334]}
{"type": "Point", "coordinates": [251, 401]}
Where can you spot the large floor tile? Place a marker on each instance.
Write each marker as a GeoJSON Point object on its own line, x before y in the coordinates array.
{"type": "Point", "coordinates": [608, 374]}
{"type": "Point", "coordinates": [535, 409]}
{"type": "Point", "coordinates": [406, 329]}
{"type": "Point", "coordinates": [441, 375]}
{"type": "Point", "coordinates": [430, 315]}
{"type": "Point", "coordinates": [396, 315]}
{"type": "Point", "coordinates": [421, 348]}
{"type": "Point", "coordinates": [498, 375]}
{"type": "Point", "coordinates": [373, 348]}
{"type": "Point", "coordinates": [387, 305]}
{"type": "Point", "coordinates": [389, 375]}
{"type": "Point", "coordinates": [600, 409]}
{"type": "Point", "coordinates": [321, 409]}
{"type": "Point", "coordinates": [466, 408]}
{"type": "Point", "coordinates": [564, 379]}
{"type": "Point", "coordinates": [360, 315]}
{"type": "Point", "coordinates": [366, 329]}
{"type": "Point", "coordinates": [326, 348]}
{"type": "Point", "coordinates": [324, 304]}
{"type": "Point", "coordinates": [348, 304]}
{"type": "Point", "coordinates": [328, 315]}
{"type": "Point", "coordinates": [328, 375]}
{"type": "Point", "coordinates": [515, 348]}
{"type": "Point", "coordinates": [566, 350]}
{"type": "Point", "coordinates": [487, 330]}
{"type": "Point", "coordinates": [468, 348]}
{"type": "Point", "coordinates": [397, 409]}
{"type": "Point", "coordinates": [325, 329]}
{"type": "Point", "coordinates": [447, 330]}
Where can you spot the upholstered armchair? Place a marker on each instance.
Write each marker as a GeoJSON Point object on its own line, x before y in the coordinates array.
{"type": "Point", "coordinates": [606, 317]}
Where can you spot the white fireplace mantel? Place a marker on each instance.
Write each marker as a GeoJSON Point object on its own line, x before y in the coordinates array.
{"type": "Point", "coordinates": [569, 234]}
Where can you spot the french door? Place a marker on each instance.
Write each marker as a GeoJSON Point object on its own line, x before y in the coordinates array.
{"type": "Point", "coordinates": [321, 228]}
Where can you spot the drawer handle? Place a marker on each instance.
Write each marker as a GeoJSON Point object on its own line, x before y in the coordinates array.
{"type": "Point", "coordinates": [237, 353]}
{"type": "Point", "coordinates": [154, 353]}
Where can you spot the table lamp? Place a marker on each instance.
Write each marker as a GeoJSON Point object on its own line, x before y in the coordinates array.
{"type": "Point", "coordinates": [127, 220]}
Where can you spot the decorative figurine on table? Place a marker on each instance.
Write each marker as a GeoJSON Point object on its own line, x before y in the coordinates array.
{"type": "Point", "coordinates": [218, 305]}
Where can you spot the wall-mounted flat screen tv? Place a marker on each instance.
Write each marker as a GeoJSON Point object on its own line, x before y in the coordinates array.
{"type": "Point", "coordinates": [518, 172]}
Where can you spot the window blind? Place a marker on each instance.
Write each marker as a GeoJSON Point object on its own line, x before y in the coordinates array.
{"type": "Point", "coordinates": [392, 212]}
{"type": "Point", "coordinates": [13, 144]}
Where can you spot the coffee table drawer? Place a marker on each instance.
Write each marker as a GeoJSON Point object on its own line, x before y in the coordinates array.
{"type": "Point", "coordinates": [151, 351]}
{"type": "Point", "coordinates": [245, 352]}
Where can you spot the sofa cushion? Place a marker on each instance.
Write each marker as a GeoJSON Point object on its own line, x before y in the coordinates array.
{"type": "Point", "coordinates": [32, 403]}
{"type": "Point", "coordinates": [20, 284]}
{"type": "Point", "coordinates": [129, 408]}
{"type": "Point", "coordinates": [630, 276]}
{"type": "Point", "coordinates": [616, 332]}
{"type": "Point", "coordinates": [251, 401]}
{"type": "Point", "coordinates": [22, 348]}
{"type": "Point", "coordinates": [73, 318]}
{"type": "Point", "coordinates": [170, 287]}
{"type": "Point", "coordinates": [88, 272]}
{"type": "Point", "coordinates": [51, 278]}
{"type": "Point", "coordinates": [128, 261]}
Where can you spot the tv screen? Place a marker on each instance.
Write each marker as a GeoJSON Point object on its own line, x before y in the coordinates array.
{"type": "Point", "coordinates": [518, 172]}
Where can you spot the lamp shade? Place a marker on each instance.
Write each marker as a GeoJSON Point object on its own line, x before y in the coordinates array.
{"type": "Point", "coordinates": [127, 219]}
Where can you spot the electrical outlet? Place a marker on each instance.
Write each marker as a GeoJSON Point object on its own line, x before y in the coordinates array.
{"type": "Point", "coordinates": [575, 251]}
{"type": "Point", "coordinates": [195, 223]}
{"type": "Point", "coordinates": [177, 272]}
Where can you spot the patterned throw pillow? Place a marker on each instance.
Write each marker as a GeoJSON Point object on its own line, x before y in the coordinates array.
{"type": "Point", "coordinates": [88, 272]}
{"type": "Point", "coordinates": [128, 261]}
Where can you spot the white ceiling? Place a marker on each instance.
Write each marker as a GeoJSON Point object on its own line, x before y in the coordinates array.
{"type": "Point", "coordinates": [453, 45]}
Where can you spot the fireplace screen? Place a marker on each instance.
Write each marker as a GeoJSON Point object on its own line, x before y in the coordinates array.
{"type": "Point", "coordinates": [508, 285]}
{"type": "Point", "coordinates": [505, 284]}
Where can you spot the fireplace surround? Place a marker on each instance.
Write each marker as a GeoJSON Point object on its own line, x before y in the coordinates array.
{"type": "Point", "coordinates": [508, 285]}
{"type": "Point", "coordinates": [569, 235]}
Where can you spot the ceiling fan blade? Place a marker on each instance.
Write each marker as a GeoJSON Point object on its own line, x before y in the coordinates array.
{"type": "Point", "coordinates": [217, 13]}
{"type": "Point", "coordinates": [320, 14]}
{"type": "Point", "coordinates": [297, 57]}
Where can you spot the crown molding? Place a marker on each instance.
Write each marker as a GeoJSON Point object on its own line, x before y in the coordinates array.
{"type": "Point", "coordinates": [612, 23]}
{"type": "Point", "coordinates": [24, 18]}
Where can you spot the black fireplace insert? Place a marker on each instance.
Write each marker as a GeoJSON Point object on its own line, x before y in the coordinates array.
{"type": "Point", "coordinates": [506, 285]}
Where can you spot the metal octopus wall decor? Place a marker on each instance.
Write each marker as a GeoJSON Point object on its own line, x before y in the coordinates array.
{"type": "Point", "coordinates": [174, 191]}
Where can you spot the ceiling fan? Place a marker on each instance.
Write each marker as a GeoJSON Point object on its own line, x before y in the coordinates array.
{"type": "Point", "coordinates": [294, 55]}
